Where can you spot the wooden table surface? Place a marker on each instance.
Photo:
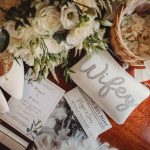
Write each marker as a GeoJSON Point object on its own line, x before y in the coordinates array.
{"type": "Point", "coordinates": [134, 134]}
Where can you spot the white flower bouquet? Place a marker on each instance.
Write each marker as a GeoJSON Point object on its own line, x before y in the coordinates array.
{"type": "Point", "coordinates": [43, 32]}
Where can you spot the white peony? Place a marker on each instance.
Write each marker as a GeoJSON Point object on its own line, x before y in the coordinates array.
{"type": "Point", "coordinates": [79, 34]}
{"type": "Point", "coordinates": [69, 16]}
{"type": "Point", "coordinates": [47, 21]}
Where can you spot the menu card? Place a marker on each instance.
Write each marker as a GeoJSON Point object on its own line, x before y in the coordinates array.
{"type": "Point", "coordinates": [89, 114]}
{"type": "Point", "coordinates": [30, 113]}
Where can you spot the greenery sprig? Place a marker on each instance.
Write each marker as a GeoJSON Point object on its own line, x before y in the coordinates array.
{"type": "Point", "coordinates": [67, 70]}
{"type": "Point", "coordinates": [94, 43]}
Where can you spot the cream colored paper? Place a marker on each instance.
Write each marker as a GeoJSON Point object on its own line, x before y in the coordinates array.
{"type": "Point", "coordinates": [141, 75]}
{"type": "Point", "coordinates": [89, 114]}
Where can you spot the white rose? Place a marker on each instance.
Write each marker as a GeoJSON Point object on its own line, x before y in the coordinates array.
{"type": "Point", "coordinates": [79, 34]}
{"type": "Point", "coordinates": [69, 16]}
{"type": "Point", "coordinates": [47, 21]}
{"type": "Point", "coordinates": [53, 46]}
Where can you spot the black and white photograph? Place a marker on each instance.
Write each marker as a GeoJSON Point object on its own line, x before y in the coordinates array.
{"type": "Point", "coordinates": [61, 125]}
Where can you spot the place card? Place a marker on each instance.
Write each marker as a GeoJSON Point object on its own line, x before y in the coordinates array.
{"type": "Point", "coordinates": [30, 113]}
{"type": "Point", "coordinates": [89, 114]}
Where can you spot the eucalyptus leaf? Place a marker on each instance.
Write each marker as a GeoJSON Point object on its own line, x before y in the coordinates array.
{"type": "Point", "coordinates": [4, 40]}
{"type": "Point", "coordinates": [28, 130]}
{"type": "Point", "coordinates": [32, 126]}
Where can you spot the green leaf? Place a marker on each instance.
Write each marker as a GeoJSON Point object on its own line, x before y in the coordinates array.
{"type": "Point", "coordinates": [4, 40]}
{"type": "Point", "coordinates": [39, 127]}
{"type": "Point", "coordinates": [35, 131]}
{"type": "Point", "coordinates": [31, 126]}
{"type": "Point", "coordinates": [33, 122]}
{"type": "Point", "coordinates": [71, 71]}
{"type": "Point", "coordinates": [106, 23]}
{"type": "Point", "coordinates": [28, 130]}
{"type": "Point", "coordinates": [66, 78]}
{"type": "Point", "coordinates": [84, 19]}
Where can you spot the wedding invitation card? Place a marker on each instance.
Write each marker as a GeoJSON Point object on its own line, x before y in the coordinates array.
{"type": "Point", "coordinates": [89, 114]}
{"type": "Point", "coordinates": [30, 113]}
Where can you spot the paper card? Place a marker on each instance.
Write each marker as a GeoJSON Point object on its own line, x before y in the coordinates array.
{"type": "Point", "coordinates": [61, 124]}
{"type": "Point", "coordinates": [141, 75]}
{"type": "Point", "coordinates": [113, 89]}
{"type": "Point", "coordinates": [89, 114]}
{"type": "Point", "coordinates": [30, 113]}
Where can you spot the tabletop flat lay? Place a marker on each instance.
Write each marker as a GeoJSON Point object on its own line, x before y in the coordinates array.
{"type": "Point", "coordinates": [134, 134]}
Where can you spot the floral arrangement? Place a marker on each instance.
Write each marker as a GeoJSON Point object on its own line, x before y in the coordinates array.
{"type": "Point", "coordinates": [42, 32]}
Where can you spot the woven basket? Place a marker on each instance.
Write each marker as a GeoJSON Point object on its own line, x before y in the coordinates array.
{"type": "Point", "coordinates": [120, 48]}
